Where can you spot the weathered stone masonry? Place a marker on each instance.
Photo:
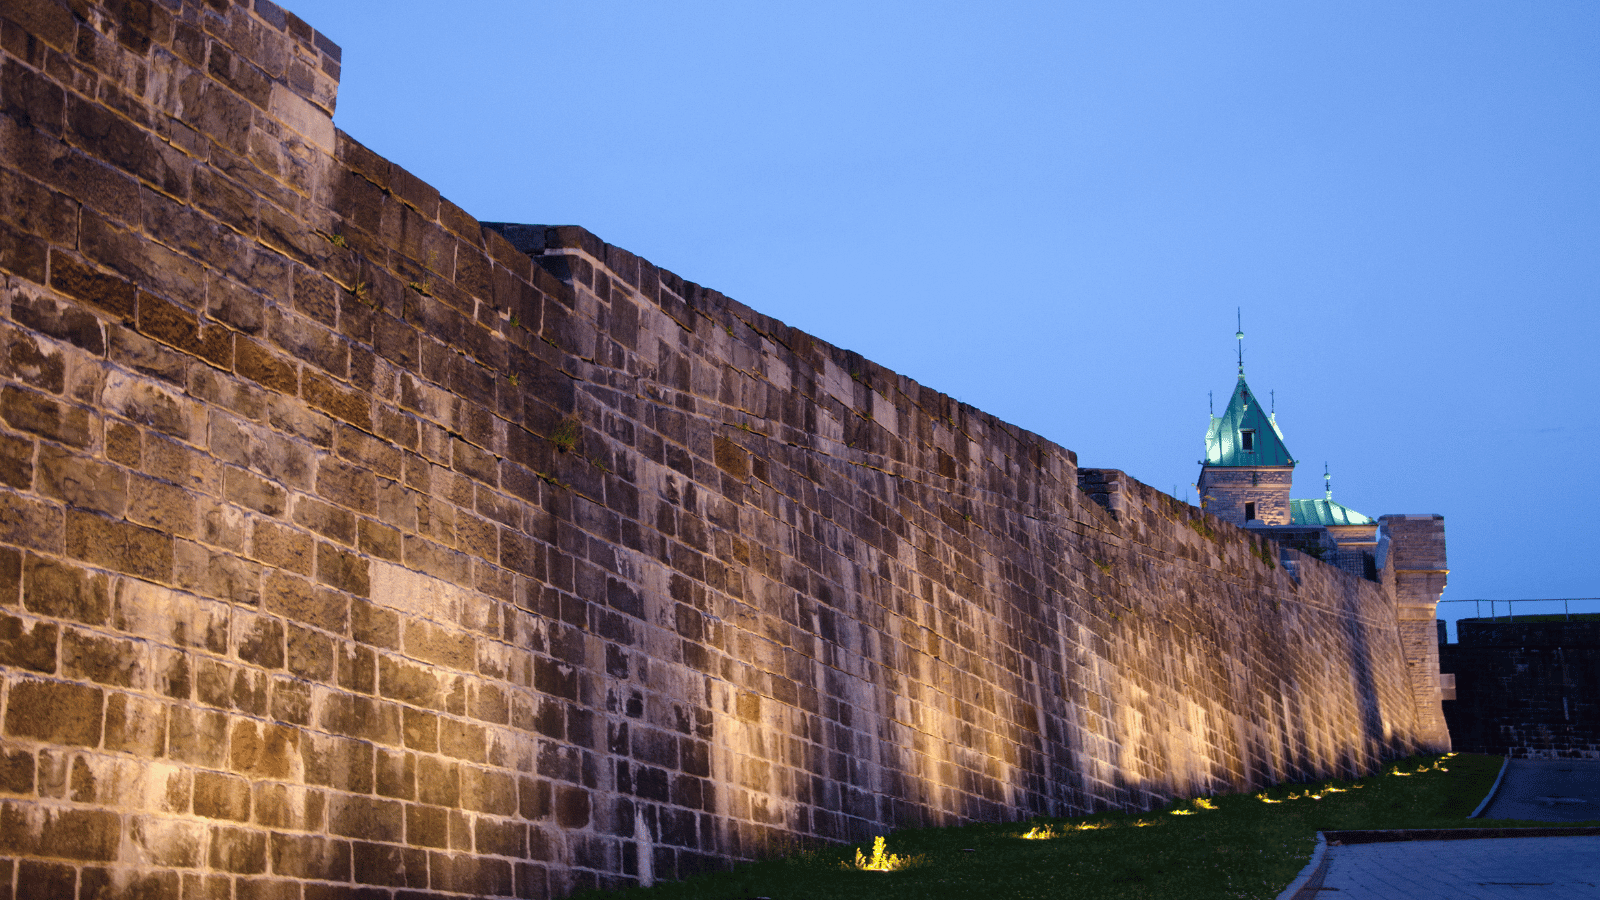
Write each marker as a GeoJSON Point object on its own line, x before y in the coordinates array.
{"type": "Point", "coordinates": [1527, 689]}
{"type": "Point", "coordinates": [346, 541]}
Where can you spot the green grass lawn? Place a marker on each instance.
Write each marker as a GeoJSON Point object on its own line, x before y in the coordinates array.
{"type": "Point", "coordinates": [1243, 845]}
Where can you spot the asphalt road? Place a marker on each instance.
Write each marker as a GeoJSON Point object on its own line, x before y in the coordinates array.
{"type": "Point", "coordinates": [1548, 790]}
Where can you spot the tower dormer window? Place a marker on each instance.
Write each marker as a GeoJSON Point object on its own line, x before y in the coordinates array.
{"type": "Point", "coordinates": [1247, 440]}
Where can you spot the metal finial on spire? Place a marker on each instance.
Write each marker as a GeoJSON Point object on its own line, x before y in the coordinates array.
{"type": "Point", "coordinates": [1327, 481]}
{"type": "Point", "coordinates": [1239, 319]}
{"type": "Point", "coordinates": [1211, 403]}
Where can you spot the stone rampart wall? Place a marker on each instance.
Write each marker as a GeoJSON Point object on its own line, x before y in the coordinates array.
{"type": "Point", "coordinates": [341, 543]}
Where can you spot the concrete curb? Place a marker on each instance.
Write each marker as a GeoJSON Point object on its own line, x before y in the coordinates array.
{"type": "Point", "coordinates": [1309, 881]}
{"type": "Point", "coordinates": [1348, 838]}
{"type": "Point", "coordinates": [1492, 788]}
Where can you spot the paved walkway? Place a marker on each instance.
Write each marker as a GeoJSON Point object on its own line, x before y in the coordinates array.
{"type": "Point", "coordinates": [1512, 863]}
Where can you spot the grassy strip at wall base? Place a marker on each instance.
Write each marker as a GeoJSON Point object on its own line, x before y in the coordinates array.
{"type": "Point", "coordinates": [1235, 846]}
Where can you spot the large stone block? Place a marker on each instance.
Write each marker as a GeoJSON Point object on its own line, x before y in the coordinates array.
{"type": "Point", "coordinates": [55, 712]}
{"type": "Point", "coordinates": [136, 725]}
{"type": "Point", "coordinates": [264, 751]}
{"type": "Point", "coordinates": [37, 414]}
{"type": "Point", "coordinates": [28, 644]}
{"type": "Point", "coordinates": [119, 545]}
{"type": "Point", "coordinates": [310, 857]}
{"type": "Point", "coordinates": [238, 850]}
{"type": "Point", "coordinates": [105, 660]}
{"type": "Point", "coordinates": [219, 796]}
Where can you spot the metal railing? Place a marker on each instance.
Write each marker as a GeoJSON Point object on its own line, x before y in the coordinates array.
{"type": "Point", "coordinates": [1510, 606]}
{"type": "Point", "coordinates": [1506, 610]}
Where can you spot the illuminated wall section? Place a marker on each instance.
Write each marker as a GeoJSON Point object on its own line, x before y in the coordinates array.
{"type": "Point", "coordinates": [346, 541]}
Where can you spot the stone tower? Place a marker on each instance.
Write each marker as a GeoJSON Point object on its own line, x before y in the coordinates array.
{"type": "Point", "coordinates": [1246, 474]}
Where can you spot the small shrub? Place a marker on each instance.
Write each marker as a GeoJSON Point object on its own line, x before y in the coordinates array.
{"type": "Point", "coordinates": [881, 861]}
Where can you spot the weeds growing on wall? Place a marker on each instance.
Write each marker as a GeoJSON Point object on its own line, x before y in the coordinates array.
{"type": "Point", "coordinates": [1199, 526]}
{"type": "Point", "coordinates": [1231, 846]}
{"type": "Point", "coordinates": [568, 431]}
{"type": "Point", "coordinates": [1262, 551]}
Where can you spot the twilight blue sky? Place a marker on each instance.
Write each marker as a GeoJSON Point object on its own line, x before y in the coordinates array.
{"type": "Point", "coordinates": [1050, 210]}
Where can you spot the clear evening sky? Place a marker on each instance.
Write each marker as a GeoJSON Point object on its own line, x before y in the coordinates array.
{"type": "Point", "coordinates": [1051, 211]}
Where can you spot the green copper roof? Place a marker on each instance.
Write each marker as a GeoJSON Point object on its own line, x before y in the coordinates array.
{"type": "Point", "coordinates": [1324, 512]}
{"type": "Point", "coordinates": [1225, 438]}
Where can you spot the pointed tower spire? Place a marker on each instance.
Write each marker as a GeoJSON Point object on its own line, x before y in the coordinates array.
{"type": "Point", "coordinates": [1238, 313]}
{"type": "Point", "coordinates": [1247, 471]}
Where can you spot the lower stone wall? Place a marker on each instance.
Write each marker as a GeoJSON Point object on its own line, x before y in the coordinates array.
{"type": "Point", "coordinates": [347, 542]}
{"type": "Point", "coordinates": [1528, 689]}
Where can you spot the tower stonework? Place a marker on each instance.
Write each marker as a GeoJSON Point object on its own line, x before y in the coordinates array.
{"type": "Point", "coordinates": [1417, 551]}
{"type": "Point", "coordinates": [1247, 495]}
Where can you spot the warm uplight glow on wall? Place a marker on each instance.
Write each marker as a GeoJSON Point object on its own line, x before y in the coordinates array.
{"type": "Point", "coordinates": [1437, 766]}
{"type": "Point", "coordinates": [1048, 832]}
{"type": "Point", "coordinates": [1308, 795]}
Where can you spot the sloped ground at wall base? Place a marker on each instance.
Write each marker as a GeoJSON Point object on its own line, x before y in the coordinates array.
{"type": "Point", "coordinates": [343, 544]}
{"type": "Point", "coordinates": [1247, 845]}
